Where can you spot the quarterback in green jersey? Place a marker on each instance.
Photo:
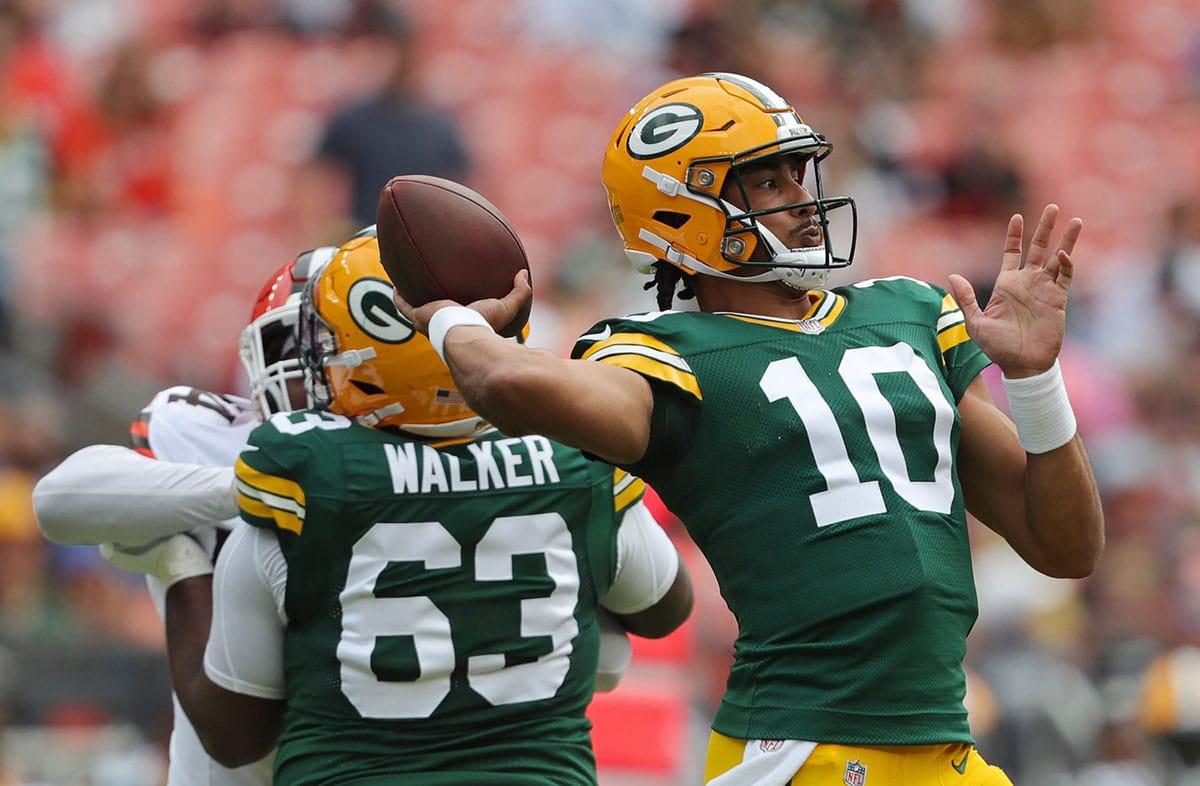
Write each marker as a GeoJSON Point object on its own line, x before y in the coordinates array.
{"type": "Point", "coordinates": [822, 446]}
{"type": "Point", "coordinates": [417, 598]}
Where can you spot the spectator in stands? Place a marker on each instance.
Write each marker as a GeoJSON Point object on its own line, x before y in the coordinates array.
{"type": "Point", "coordinates": [394, 131]}
{"type": "Point", "coordinates": [113, 152]}
{"type": "Point", "coordinates": [1180, 270]}
{"type": "Point", "coordinates": [31, 89]}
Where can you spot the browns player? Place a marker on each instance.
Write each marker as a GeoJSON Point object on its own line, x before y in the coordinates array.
{"type": "Point", "coordinates": [105, 493]}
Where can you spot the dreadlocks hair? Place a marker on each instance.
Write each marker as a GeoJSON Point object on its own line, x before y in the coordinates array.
{"type": "Point", "coordinates": [666, 278]}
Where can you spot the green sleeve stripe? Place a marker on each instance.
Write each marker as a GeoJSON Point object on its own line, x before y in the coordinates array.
{"type": "Point", "coordinates": [269, 497]}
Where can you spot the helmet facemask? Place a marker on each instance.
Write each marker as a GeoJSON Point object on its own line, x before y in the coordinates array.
{"type": "Point", "coordinates": [269, 353]}
{"type": "Point", "coordinates": [317, 343]}
{"type": "Point", "coordinates": [268, 343]}
{"type": "Point", "coordinates": [748, 243]}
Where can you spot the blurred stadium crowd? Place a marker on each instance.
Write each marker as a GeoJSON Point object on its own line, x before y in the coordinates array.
{"type": "Point", "coordinates": [159, 158]}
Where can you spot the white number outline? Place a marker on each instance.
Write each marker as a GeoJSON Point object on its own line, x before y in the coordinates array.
{"type": "Point", "coordinates": [300, 422]}
{"type": "Point", "coordinates": [366, 617]}
{"type": "Point", "coordinates": [848, 496]}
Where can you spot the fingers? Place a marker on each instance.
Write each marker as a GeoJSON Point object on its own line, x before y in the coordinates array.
{"type": "Point", "coordinates": [1041, 236]}
{"type": "Point", "coordinates": [1071, 235]}
{"type": "Point", "coordinates": [1013, 243]}
{"type": "Point", "coordinates": [1066, 269]}
{"type": "Point", "coordinates": [1039, 244]}
{"type": "Point", "coordinates": [403, 306]}
{"type": "Point", "coordinates": [964, 295]}
{"type": "Point", "coordinates": [1054, 265]}
{"type": "Point", "coordinates": [517, 296]}
{"type": "Point", "coordinates": [418, 316]}
{"type": "Point", "coordinates": [495, 310]}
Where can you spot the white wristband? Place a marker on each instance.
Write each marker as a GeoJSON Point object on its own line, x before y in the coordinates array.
{"type": "Point", "coordinates": [1041, 410]}
{"type": "Point", "coordinates": [444, 319]}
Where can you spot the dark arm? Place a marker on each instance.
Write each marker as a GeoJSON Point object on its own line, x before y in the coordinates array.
{"type": "Point", "coordinates": [234, 728]}
{"type": "Point", "coordinates": [667, 614]}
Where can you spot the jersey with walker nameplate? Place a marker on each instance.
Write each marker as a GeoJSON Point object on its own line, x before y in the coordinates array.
{"type": "Point", "coordinates": [813, 463]}
{"type": "Point", "coordinates": [440, 600]}
{"type": "Point", "coordinates": [191, 426]}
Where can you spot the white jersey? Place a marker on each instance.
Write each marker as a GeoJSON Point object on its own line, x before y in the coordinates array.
{"type": "Point", "coordinates": [190, 426]}
{"type": "Point", "coordinates": [189, 441]}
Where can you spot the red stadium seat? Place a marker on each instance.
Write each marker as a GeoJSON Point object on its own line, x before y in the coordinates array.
{"type": "Point", "coordinates": [641, 729]}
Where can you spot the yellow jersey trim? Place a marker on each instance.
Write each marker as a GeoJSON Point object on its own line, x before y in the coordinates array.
{"type": "Point", "coordinates": [647, 356]}
{"type": "Point", "coordinates": [269, 497]}
{"type": "Point", "coordinates": [627, 489]}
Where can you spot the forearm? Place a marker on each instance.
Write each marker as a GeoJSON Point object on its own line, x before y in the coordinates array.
{"type": "Point", "coordinates": [107, 493]}
{"type": "Point", "coordinates": [218, 715]}
{"type": "Point", "coordinates": [1062, 504]}
{"type": "Point", "coordinates": [591, 406]}
{"type": "Point", "coordinates": [1063, 513]}
{"type": "Point", "coordinates": [1045, 505]}
{"type": "Point", "coordinates": [188, 617]}
{"type": "Point", "coordinates": [496, 377]}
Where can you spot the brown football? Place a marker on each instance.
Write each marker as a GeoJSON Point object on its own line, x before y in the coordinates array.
{"type": "Point", "coordinates": [439, 240]}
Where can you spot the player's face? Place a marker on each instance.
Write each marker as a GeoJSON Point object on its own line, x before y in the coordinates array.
{"type": "Point", "coordinates": [773, 183]}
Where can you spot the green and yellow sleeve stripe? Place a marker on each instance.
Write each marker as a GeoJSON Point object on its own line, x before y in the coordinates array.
{"type": "Point", "coordinates": [951, 329]}
{"type": "Point", "coordinates": [647, 356]}
{"type": "Point", "coordinates": [627, 489]}
{"type": "Point", "coordinates": [271, 499]}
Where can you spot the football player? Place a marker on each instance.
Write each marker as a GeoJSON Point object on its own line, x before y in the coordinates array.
{"type": "Point", "coordinates": [822, 446]}
{"type": "Point", "coordinates": [188, 440]}
{"type": "Point", "coordinates": [416, 599]}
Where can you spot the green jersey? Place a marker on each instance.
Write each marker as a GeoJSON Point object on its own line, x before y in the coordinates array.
{"type": "Point", "coordinates": [440, 600]}
{"type": "Point", "coordinates": [813, 463]}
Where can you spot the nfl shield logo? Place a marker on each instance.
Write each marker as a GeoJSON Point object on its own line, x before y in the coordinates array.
{"type": "Point", "coordinates": [856, 774]}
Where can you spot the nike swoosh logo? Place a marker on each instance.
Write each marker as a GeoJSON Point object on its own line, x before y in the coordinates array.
{"type": "Point", "coordinates": [598, 337]}
{"type": "Point", "coordinates": [960, 766]}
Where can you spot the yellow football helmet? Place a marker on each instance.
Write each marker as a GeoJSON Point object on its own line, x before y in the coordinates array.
{"type": "Point", "coordinates": [673, 154]}
{"type": "Point", "coordinates": [1169, 701]}
{"type": "Point", "coordinates": [365, 361]}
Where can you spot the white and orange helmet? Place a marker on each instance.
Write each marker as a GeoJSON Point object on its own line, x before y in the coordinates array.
{"type": "Point", "coordinates": [268, 343]}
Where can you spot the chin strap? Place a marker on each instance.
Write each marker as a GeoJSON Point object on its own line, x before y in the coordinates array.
{"type": "Point", "coordinates": [795, 277]}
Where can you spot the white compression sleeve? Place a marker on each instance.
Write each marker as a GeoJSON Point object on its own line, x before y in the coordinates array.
{"type": "Point", "coordinates": [647, 563]}
{"type": "Point", "coordinates": [105, 493]}
{"type": "Point", "coordinates": [245, 643]}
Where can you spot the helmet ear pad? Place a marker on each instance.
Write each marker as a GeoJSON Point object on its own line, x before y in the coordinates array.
{"type": "Point", "coordinates": [365, 361]}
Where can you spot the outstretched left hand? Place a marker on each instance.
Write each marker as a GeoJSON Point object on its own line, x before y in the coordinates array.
{"type": "Point", "coordinates": [1022, 326]}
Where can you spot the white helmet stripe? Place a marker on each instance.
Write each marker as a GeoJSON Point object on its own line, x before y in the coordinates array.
{"type": "Point", "coordinates": [768, 97]}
